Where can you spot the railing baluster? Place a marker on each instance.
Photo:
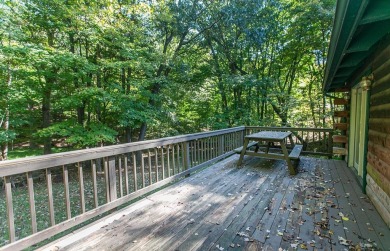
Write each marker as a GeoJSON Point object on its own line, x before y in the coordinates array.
{"type": "Point", "coordinates": [150, 168]}
{"type": "Point", "coordinates": [30, 185]}
{"type": "Point", "coordinates": [168, 161]}
{"type": "Point", "coordinates": [173, 160]}
{"type": "Point", "coordinates": [50, 196]}
{"type": "Point", "coordinates": [10, 208]}
{"type": "Point", "coordinates": [120, 175]}
{"type": "Point", "coordinates": [196, 152]}
{"type": "Point", "coordinates": [94, 183]}
{"type": "Point", "coordinates": [126, 174]}
{"type": "Point", "coordinates": [135, 171]}
{"type": "Point", "coordinates": [162, 162]}
{"type": "Point", "coordinates": [156, 163]}
{"type": "Point", "coordinates": [81, 188]}
{"type": "Point", "coordinates": [106, 176]}
{"type": "Point", "coordinates": [143, 169]}
{"type": "Point", "coordinates": [66, 187]}
{"type": "Point", "coordinates": [178, 157]}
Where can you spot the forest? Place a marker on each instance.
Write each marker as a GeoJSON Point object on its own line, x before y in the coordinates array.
{"type": "Point", "coordinates": [87, 73]}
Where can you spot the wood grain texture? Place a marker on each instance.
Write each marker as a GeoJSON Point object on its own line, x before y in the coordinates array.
{"type": "Point", "coordinates": [258, 206]}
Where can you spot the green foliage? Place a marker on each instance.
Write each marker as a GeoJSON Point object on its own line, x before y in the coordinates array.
{"type": "Point", "coordinates": [105, 71]}
{"type": "Point", "coordinates": [94, 134]}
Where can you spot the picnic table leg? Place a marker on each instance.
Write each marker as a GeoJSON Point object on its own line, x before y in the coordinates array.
{"type": "Point", "coordinates": [289, 163]}
{"type": "Point", "coordinates": [268, 146]}
{"type": "Point", "coordinates": [291, 141]}
{"type": "Point", "coordinates": [246, 142]}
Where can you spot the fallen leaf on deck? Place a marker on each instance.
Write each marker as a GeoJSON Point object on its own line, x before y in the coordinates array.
{"type": "Point", "coordinates": [303, 246]}
{"type": "Point", "coordinates": [242, 234]}
{"type": "Point", "coordinates": [280, 233]}
{"type": "Point", "coordinates": [294, 245]}
{"type": "Point", "coordinates": [232, 245]}
{"type": "Point", "coordinates": [343, 241]}
{"type": "Point", "coordinates": [367, 245]}
{"type": "Point", "coordinates": [248, 229]}
{"type": "Point", "coordinates": [219, 248]}
{"type": "Point", "coordinates": [345, 218]}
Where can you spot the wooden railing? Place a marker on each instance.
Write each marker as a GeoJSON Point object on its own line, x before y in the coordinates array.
{"type": "Point", "coordinates": [315, 141]}
{"type": "Point", "coordinates": [46, 195]}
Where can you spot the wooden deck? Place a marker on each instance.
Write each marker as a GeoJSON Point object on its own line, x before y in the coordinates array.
{"type": "Point", "coordinates": [257, 207]}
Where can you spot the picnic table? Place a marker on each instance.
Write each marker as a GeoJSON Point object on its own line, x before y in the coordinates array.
{"type": "Point", "coordinates": [271, 137]}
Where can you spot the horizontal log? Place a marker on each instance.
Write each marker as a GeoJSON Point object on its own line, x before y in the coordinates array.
{"type": "Point", "coordinates": [341, 114]}
{"type": "Point", "coordinates": [340, 126]}
{"type": "Point", "coordinates": [379, 179]}
{"type": "Point", "coordinates": [381, 58]}
{"type": "Point", "coordinates": [341, 101]}
{"type": "Point", "coordinates": [340, 139]}
{"type": "Point", "coordinates": [381, 152]}
{"type": "Point", "coordinates": [379, 165]}
{"type": "Point", "coordinates": [378, 198]}
{"type": "Point", "coordinates": [381, 98]}
{"type": "Point", "coordinates": [379, 138]}
{"type": "Point", "coordinates": [379, 125]}
{"type": "Point", "coordinates": [340, 150]}
{"type": "Point", "coordinates": [380, 111]}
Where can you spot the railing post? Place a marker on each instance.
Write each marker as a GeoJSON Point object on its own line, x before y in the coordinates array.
{"type": "Point", "coordinates": [186, 156]}
{"type": "Point", "coordinates": [330, 144]}
{"type": "Point", "coordinates": [112, 178]}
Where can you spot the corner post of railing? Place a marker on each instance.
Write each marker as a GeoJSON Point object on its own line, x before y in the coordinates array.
{"type": "Point", "coordinates": [186, 155]}
{"type": "Point", "coordinates": [112, 178]}
{"type": "Point", "coordinates": [330, 144]}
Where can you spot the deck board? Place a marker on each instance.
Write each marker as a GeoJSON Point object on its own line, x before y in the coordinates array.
{"type": "Point", "coordinates": [256, 207]}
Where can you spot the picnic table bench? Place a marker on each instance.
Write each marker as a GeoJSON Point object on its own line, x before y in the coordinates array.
{"type": "Point", "coordinates": [270, 137]}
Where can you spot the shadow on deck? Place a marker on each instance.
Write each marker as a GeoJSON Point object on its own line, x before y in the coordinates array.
{"type": "Point", "coordinates": [257, 207]}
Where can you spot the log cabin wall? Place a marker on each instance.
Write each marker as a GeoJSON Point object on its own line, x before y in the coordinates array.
{"type": "Point", "coordinates": [378, 156]}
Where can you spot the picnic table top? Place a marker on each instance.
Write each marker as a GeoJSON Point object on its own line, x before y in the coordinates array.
{"type": "Point", "coordinates": [269, 135]}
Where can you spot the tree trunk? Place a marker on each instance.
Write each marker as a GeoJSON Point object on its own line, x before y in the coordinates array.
{"type": "Point", "coordinates": [46, 106]}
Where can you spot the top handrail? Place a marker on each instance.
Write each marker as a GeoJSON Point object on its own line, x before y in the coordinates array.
{"type": "Point", "coordinates": [29, 164]}
{"type": "Point", "coordinates": [305, 129]}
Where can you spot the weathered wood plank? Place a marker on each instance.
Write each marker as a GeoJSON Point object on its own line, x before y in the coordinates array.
{"type": "Point", "coordinates": [127, 187]}
{"type": "Point", "coordinates": [340, 126]}
{"type": "Point", "coordinates": [295, 152]}
{"type": "Point", "coordinates": [204, 197]}
{"type": "Point", "coordinates": [120, 176]}
{"type": "Point", "coordinates": [238, 150]}
{"type": "Point", "coordinates": [94, 184]}
{"type": "Point", "coordinates": [135, 178]}
{"type": "Point", "coordinates": [10, 208]}
{"type": "Point", "coordinates": [341, 101]}
{"type": "Point", "coordinates": [106, 179]}
{"type": "Point", "coordinates": [81, 187]}
{"type": "Point", "coordinates": [340, 139]}
{"type": "Point", "coordinates": [31, 198]}
{"type": "Point", "coordinates": [65, 173]}
{"type": "Point", "coordinates": [50, 196]}
{"type": "Point", "coordinates": [341, 114]}
{"type": "Point", "coordinates": [358, 201]}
